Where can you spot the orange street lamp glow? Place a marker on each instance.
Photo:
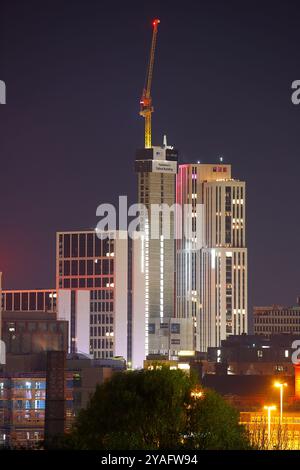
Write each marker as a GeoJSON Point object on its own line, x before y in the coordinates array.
{"type": "Point", "coordinates": [269, 408]}
{"type": "Point", "coordinates": [280, 385]}
{"type": "Point", "coordinates": [196, 394]}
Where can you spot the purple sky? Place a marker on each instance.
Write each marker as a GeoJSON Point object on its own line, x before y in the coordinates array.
{"type": "Point", "coordinates": [74, 72]}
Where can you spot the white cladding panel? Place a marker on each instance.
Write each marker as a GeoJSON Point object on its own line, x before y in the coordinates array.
{"type": "Point", "coordinates": [83, 321]}
{"type": "Point", "coordinates": [138, 305]}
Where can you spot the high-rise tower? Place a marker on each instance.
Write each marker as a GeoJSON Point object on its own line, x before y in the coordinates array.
{"type": "Point", "coordinates": [211, 271]}
{"type": "Point", "coordinates": [156, 169]}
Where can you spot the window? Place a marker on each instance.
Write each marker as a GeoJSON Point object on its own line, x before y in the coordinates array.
{"type": "Point", "coordinates": [42, 326]}
{"type": "Point", "coordinates": [39, 404]}
{"type": "Point", "coordinates": [67, 268]}
{"type": "Point", "coordinates": [31, 326]}
{"type": "Point", "coordinates": [17, 301]}
{"type": "Point", "coordinates": [21, 326]}
{"type": "Point", "coordinates": [52, 327]}
{"type": "Point", "coordinates": [40, 301]}
{"type": "Point", "coordinates": [24, 301]}
{"type": "Point", "coordinates": [90, 267]}
{"type": "Point", "coordinates": [40, 385]}
{"type": "Point", "coordinates": [76, 380]}
{"type": "Point", "coordinates": [67, 243]}
{"type": "Point", "coordinates": [82, 245]}
{"type": "Point", "coordinates": [175, 341]}
{"type": "Point", "coordinates": [74, 246]}
{"type": "Point", "coordinates": [175, 328]}
{"type": "Point", "coordinates": [82, 268]}
{"type": "Point", "coordinates": [90, 245]}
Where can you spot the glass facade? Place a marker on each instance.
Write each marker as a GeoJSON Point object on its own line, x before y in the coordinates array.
{"type": "Point", "coordinates": [27, 336]}
{"type": "Point", "coordinates": [85, 261]}
{"type": "Point", "coordinates": [29, 300]}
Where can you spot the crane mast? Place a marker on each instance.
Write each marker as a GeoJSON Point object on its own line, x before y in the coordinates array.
{"type": "Point", "coordinates": [146, 100]}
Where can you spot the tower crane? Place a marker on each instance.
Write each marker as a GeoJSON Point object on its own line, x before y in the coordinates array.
{"type": "Point", "coordinates": [146, 100]}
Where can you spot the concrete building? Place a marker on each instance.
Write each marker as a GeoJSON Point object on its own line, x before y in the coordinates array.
{"type": "Point", "coordinates": [39, 300]}
{"type": "Point", "coordinates": [94, 294]}
{"type": "Point", "coordinates": [32, 332]}
{"type": "Point", "coordinates": [156, 168]}
{"type": "Point", "coordinates": [23, 394]}
{"type": "Point", "coordinates": [138, 327]}
{"type": "Point", "coordinates": [211, 264]}
{"type": "Point", "coordinates": [168, 337]}
{"type": "Point", "coordinates": [276, 319]}
{"type": "Point", "coordinates": [92, 284]}
{"type": "Point", "coordinates": [36, 309]}
{"type": "Point", "coordinates": [172, 336]}
{"type": "Point", "coordinates": [254, 355]}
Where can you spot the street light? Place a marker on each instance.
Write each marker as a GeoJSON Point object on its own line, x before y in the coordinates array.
{"type": "Point", "coordinates": [269, 408]}
{"type": "Point", "coordinates": [196, 393]}
{"type": "Point", "coordinates": [280, 385]}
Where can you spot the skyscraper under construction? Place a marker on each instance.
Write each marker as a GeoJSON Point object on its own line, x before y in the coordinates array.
{"type": "Point", "coordinates": [156, 167]}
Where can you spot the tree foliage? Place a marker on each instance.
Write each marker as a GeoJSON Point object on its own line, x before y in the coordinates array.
{"type": "Point", "coordinates": [214, 424]}
{"type": "Point", "coordinates": [154, 410]}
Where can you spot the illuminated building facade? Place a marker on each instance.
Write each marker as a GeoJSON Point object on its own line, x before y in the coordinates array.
{"type": "Point", "coordinates": [23, 394]}
{"type": "Point", "coordinates": [92, 281]}
{"type": "Point", "coordinates": [156, 168]}
{"type": "Point", "coordinates": [22, 408]}
{"type": "Point", "coordinates": [276, 319]}
{"type": "Point", "coordinates": [211, 264]}
{"type": "Point", "coordinates": [40, 300]}
{"type": "Point", "coordinates": [283, 436]}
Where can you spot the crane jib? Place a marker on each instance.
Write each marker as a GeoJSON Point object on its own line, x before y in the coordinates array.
{"type": "Point", "coordinates": [146, 100]}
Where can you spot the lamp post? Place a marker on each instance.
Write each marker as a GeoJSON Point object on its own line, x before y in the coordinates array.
{"type": "Point", "coordinates": [269, 408]}
{"type": "Point", "coordinates": [280, 385]}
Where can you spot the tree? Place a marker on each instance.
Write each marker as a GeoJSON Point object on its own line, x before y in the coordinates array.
{"type": "Point", "coordinates": [155, 410]}
{"type": "Point", "coordinates": [214, 425]}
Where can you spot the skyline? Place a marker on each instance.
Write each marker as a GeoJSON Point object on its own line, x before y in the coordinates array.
{"type": "Point", "coordinates": [51, 121]}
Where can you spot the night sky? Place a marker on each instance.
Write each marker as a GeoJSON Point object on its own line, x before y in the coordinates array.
{"type": "Point", "coordinates": [74, 72]}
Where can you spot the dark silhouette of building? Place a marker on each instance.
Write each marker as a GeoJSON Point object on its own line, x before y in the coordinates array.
{"type": "Point", "coordinates": [55, 413]}
{"type": "Point", "coordinates": [254, 355]}
{"type": "Point", "coordinates": [30, 332]}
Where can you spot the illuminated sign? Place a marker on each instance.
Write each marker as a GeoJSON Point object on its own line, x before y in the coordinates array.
{"type": "Point", "coordinates": [160, 166]}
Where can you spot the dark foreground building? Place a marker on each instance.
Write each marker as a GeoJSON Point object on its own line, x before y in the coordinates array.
{"type": "Point", "coordinates": [254, 355]}
{"type": "Point", "coordinates": [31, 332]}
{"type": "Point", "coordinates": [23, 395]}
